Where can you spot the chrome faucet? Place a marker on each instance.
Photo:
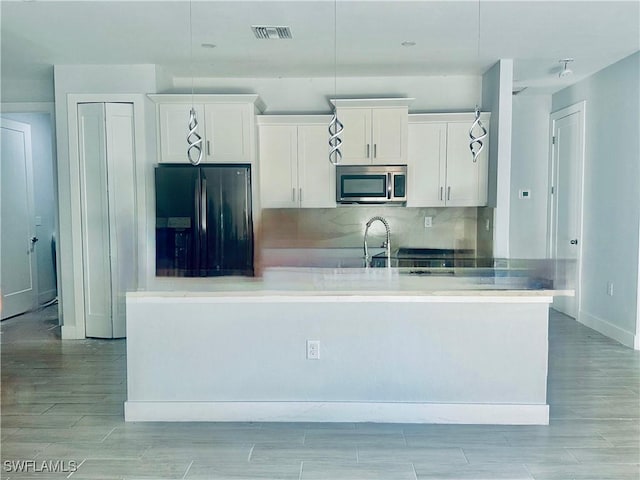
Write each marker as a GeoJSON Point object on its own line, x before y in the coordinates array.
{"type": "Point", "coordinates": [386, 244]}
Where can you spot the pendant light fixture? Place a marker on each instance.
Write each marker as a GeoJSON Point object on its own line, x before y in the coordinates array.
{"type": "Point", "coordinates": [335, 126]}
{"type": "Point", "coordinates": [194, 141]}
{"type": "Point", "coordinates": [475, 141]}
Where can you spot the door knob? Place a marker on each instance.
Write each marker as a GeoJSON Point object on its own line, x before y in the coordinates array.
{"type": "Point", "coordinates": [574, 241]}
{"type": "Point", "coordinates": [34, 239]}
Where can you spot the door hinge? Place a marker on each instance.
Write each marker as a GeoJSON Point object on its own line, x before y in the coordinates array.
{"type": "Point", "coordinates": [553, 140]}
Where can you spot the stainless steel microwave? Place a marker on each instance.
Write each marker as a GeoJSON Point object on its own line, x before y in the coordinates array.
{"type": "Point", "coordinates": [371, 184]}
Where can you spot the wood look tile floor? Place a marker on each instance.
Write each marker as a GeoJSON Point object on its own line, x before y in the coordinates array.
{"type": "Point", "coordinates": [63, 401]}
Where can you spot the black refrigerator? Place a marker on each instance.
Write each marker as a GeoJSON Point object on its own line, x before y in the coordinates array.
{"type": "Point", "coordinates": [204, 226]}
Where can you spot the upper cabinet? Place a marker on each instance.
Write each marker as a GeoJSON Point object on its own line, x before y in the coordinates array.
{"type": "Point", "coordinates": [441, 170]}
{"type": "Point", "coordinates": [375, 130]}
{"type": "Point", "coordinates": [226, 124]}
{"type": "Point", "coordinates": [295, 171]}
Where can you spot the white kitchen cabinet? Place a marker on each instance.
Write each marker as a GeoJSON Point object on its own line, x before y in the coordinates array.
{"type": "Point", "coordinates": [225, 123]}
{"type": "Point", "coordinates": [375, 131]}
{"type": "Point", "coordinates": [295, 171]}
{"type": "Point", "coordinates": [441, 171]}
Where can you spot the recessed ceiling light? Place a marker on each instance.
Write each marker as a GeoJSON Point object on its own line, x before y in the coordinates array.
{"type": "Point", "coordinates": [408, 44]}
{"type": "Point", "coordinates": [207, 45]}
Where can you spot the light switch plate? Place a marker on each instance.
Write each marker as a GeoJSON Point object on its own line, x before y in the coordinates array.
{"type": "Point", "coordinates": [428, 222]}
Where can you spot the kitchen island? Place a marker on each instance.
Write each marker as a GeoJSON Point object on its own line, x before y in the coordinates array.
{"type": "Point", "coordinates": [392, 348]}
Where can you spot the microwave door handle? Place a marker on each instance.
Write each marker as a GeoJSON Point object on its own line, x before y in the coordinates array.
{"type": "Point", "coordinates": [389, 178]}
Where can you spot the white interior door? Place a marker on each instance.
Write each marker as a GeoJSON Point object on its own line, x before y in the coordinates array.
{"type": "Point", "coordinates": [18, 273]}
{"type": "Point", "coordinates": [566, 203]}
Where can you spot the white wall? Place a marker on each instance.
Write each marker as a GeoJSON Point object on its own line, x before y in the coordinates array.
{"type": "Point", "coordinates": [21, 88]}
{"type": "Point", "coordinates": [497, 84]}
{"type": "Point", "coordinates": [311, 95]}
{"type": "Point", "coordinates": [611, 196]}
{"type": "Point", "coordinates": [44, 197]}
{"type": "Point", "coordinates": [530, 171]}
{"type": "Point", "coordinates": [127, 83]}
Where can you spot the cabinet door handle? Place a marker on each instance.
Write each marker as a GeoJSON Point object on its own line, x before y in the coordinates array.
{"type": "Point", "coordinates": [208, 148]}
{"type": "Point", "coordinates": [300, 196]}
{"type": "Point", "coordinates": [375, 150]}
{"type": "Point", "coordinates": [448, 193]}
{"type": "Point", "coordinates": [293, 194]}
{"type": "Point", "coordinates": [368, 150]}
{"type": "Point", "coordinates": [441, 192]}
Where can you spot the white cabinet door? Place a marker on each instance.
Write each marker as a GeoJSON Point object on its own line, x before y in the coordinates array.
{"type": "Point", "coordinates": [278, 166]}
{"type": "Point", "coordinates": [464, 176]}
{"type": "Point", "coordinates": [426, 164]}
{"type": "Point", "coordinates": [389, 136]}
{"type": "Point", "coordinates": [224, 128]}
{"type": "Point", "coordinates": [356, 145]}
{"type": "Point", "coordinates": [173, 122]}
{"type": "Point", "coordinates": [227, 136]}
{"type": "Point", "coordinates": [316, 175]}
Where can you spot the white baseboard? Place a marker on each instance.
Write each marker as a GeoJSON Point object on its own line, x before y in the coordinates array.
{"type": "Point", "coordinates": [607, 329]}
{"type": "Point", "coordinates": [70, 333]}
{"type": "Point", "coordinates": [460, 413]}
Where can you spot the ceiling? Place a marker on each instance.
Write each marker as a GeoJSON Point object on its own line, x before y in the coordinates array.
{"type": "Point", "coordinates": [38, 34]}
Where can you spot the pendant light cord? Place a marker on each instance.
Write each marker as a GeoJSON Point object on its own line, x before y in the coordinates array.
{"type": "Point", "coordinates": [335, 48]}
{"type": "Point", "coordinates": [191, 49]}
{"type": "Point", "coordinates": [478, 54]}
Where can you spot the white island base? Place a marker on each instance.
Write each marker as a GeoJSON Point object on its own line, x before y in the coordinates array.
{"type": "Point", "coordinates": [454, 357]}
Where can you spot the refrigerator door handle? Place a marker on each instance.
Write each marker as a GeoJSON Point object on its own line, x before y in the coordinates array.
{"type": "Point", "coordinates": [198, 214]}
{"type": "Point", "coordinates": [203, 203]}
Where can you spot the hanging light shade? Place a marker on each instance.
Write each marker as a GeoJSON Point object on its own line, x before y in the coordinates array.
{"type": "Point", "coordinates": [193, 139]}
{"type": "Point", "coordinates": [335, 129]}
{"type": "Point", "coordinates": [476, 143]}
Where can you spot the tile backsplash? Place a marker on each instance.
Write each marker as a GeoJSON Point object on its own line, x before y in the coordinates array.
{"type": "Point", "coordinates": [343, 227]}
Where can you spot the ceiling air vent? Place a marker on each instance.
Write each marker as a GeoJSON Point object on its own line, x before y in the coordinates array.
{"type": "Point", "coordinates": [264, 32]}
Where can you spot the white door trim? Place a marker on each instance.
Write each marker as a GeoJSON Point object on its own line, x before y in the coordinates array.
{"type": "Point", "coordinates": [579, 108]}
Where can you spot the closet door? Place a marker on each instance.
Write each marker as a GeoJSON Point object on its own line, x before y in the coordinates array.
{"type": "Point", "coordinates": [121, 176]}
{"type": "Point", "coordinates": [106, 147]}
{"type": "Point", "coordinates": [96, 264]}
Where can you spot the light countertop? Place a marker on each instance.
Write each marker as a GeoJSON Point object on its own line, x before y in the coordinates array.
{"type": "Point", "coordinates": [392, 284]}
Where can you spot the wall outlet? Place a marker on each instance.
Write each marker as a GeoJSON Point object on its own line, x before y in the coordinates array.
{"type": "Point", "coordinates": [610, 289]}
{"type": "Point", "coordinates": [313, 349]}
{"type": "Point", "coordinates": [428, 222]}
{"type": "Point", "coordinates": [487, 224]}
{"type": "Point", "coordinates": [38, 221]}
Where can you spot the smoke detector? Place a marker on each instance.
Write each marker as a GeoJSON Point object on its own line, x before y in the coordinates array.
{"type": "Point", "coordinates": [565, 72]}
{"type": "Point", "coordinates": [270, 32]}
